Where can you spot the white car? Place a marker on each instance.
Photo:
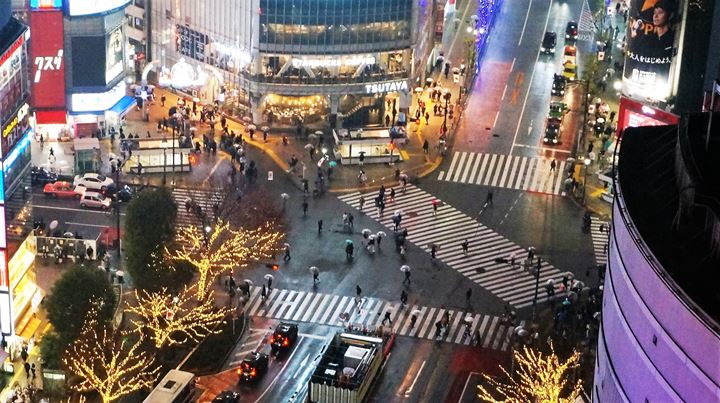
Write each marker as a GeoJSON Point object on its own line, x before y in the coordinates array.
{"type": "Point", "coordinates": [95, 200]}
{"type": "Point", "coordinates": [93, 181]}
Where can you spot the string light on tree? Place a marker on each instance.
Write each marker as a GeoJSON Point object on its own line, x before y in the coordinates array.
{"type": "Point", "coordinates": [173, 320]}
{"type": "Point", "coordinates": [223, 248]}
{"type": "Point", "coordinates": [541, 378]}
{"type": "Point", "coordinates": [112, 369]}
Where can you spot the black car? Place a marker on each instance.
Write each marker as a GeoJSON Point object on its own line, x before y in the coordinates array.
{"type": "Point", "coordinates": [558, 85]}
{"type": "Point", "coordinates": [227, 396]}
{"type": "Point", "coordinates": [571, 32]}
{"type": "Point", "coordinates": [548, 43]}
{"type": "Point", "coordinates": [552, 131]}
{"type": "Point", "coordinates": [284, 336]}
{"type": "Point", "coordinates": [253, 366]}
{"type": "Point", "coordinates": [42, 176]}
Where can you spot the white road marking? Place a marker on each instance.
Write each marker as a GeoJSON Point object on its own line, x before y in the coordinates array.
{"type": "Point", "coordinates": [466, 385]}
{"type": "Point", "coordinates": [409, 390]}
{"type": "Point", "coordinates": [525, 23]}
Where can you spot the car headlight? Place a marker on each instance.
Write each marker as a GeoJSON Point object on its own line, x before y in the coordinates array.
{"type": "Point", "coordinates": [545, 140]}
{"type": "Point", "coordinates": [542, 49]}
{"type": "Point", "coordinates": [554, 141]}
{"type": "Point", "coordinates": [567, 36]}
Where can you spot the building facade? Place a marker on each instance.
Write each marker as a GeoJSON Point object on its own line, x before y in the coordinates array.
{"type": "Point", "coordinates": [660, 338]}
{"type": "Point", "coordinates": [295, 59]}
{"type": "Point", "coordinates": [19, 293]}
{"type": "Point", "coordinates": [77, 98]}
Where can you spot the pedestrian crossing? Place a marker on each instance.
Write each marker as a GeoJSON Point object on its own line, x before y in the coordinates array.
{"type": "Point", "coordinates": [506, 171]}
{"type": "Point", "coordinates": [206, 199]}
{"type": "Point", "coordinates": [513, 283]}
{"type": "Point", "coordinates": [586, 25]}
{"type": "Point", "coordinates": [251, 343]}
{"type": "Point", "coordinates": [326, 309]}
{"type": "Point", "coordinates": [599, 239]}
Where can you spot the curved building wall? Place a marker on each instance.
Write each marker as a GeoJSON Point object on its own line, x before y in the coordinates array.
{"type": "Point", "coordinates": [654, 345]}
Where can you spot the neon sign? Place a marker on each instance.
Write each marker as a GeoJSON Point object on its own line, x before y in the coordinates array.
{"type": "Point", "coordinates": [47, 63]}
{"type": "Point", "coordinates": [391, 86]}
{"type": "Point", "coordinates": [45, 4]}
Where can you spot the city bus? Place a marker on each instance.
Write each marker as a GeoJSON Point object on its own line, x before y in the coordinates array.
{"type": "Point", "coordinates": [175, 387]}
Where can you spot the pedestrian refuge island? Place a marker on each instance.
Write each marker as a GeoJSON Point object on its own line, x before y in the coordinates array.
{"type": "Point", "coordinates": [369, 146]}
{"type": "Point", "coordinates": [347, 369]}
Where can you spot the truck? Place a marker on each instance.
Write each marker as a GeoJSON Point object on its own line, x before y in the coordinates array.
{"type": "Point", "coordinates": [348, 368]}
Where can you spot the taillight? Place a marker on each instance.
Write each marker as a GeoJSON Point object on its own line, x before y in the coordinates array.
{"type": "Point", "coordinates": [286, 342]}
{"type": "Point", "coordinates": [239, 371]}
{"type": "Point", "coordinates": [252, 373]}
{"type": "Point", "coordinates": [272, 339]}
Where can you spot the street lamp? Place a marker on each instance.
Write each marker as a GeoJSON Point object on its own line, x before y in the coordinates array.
{"type": "Point", "coordinates": [163, 144]}
{"type": "Point", "coordinates": [587, 166]}
{"type": "Point", "coordinates": [446, 96]}
{"type": "Point", "coordinates": [206, 233]}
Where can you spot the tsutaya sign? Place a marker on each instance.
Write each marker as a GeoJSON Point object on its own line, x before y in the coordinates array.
{"type": "Point", "coordinates": [392, 86]}
{"type": "Point", "coordinates": [333, 62]}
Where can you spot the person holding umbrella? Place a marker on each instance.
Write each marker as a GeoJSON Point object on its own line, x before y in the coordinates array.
{"type": "Point", "coordinates": [406, 269]}
{"type": "Point", "coordinates": [315, 273]}
{"type": "Point", "coordinates": [413, 318]}
{"type": "Point", "coordinates": [349, 249]}
{"type": "Point", "coordinates": [269, 278]}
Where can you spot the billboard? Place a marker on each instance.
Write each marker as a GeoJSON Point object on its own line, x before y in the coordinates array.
{"type": "Point", "coordinates": [114, 55]}
{"type": "Point", "coordinates": [90, 7]}
{"type": "Point", "coordinates": [46, 53]}
{"type": "Point", "coordinates": [651, 33]}
{"type": "Point", "coordinates": [45, 4]}
{"type": "Point", "coordinates": [88, 61]}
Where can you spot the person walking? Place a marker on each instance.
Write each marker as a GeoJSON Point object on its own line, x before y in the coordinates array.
{"type": "Point", "coordinates": [387, 318]}
{"type": "Point", "coordinates": [351, 220]}
{"type": "Point", "coordinates": [162, 100]}
{"type": "Point", "coordinates": [287, 252]}
{"type": "Point", "coordinates": [263, 293]}
{"type": "Point", "coordinates": [435, 207]}
{"type": "Point", "coordinates": [27, 370]}
{"type": "Point", "coordinates": [320, 224]}
{"type": "Point", "coordinates": [316, 276]}
{"type": "Point", "coordinates": [468, 295]}
{"type": "Point", "coordinates": [403, 298]}
{"type": "Point", "coordinates": [427, 118]}
{"type": "Point", "coordinates": [270, 279]}
{"type": "Point", "coordinates": [553, 164]}
{"type": "Point", "coordinates": [407, 276]}
{"type": "Point", "coordinates": [465, 246]}
{"type": "Point", "coordinates": [426, 146]}
{"type": "Point", "coordinates": [349, 249]}
{"type": "Point", "coordinates": [438, 329]}
{"type": "Point", "coordinates": [358, 295]}
{"type": "Point", "coordinates": [413, 320]}
{"type": "Point", "coordinates": [362, 202]}
{"type": "Point", "coordinates": [392, 195]}
{"type": "Point", "coordinates": [305, 208]}
{"type": "Point", "coordinates": [489, 198]}
{"type": "Point", "coordinates": [433, 252]}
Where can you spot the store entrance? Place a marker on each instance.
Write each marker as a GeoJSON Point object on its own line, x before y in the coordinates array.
{"type": "Point", "coordinates": [288, 110]}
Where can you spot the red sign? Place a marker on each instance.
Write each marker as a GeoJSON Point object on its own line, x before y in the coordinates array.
{"type": "Point", "coordinates": [636, 114]}
{"type": "Point", "coordinates": [48, 64]}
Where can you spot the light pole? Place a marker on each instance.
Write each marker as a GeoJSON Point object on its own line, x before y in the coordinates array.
{"type": "Point", "coordinates": [446, 96]}
{"type": "Point", "coordinates": [537, 287]}
{"type": "Point", "coordinates": [163, 143]}
{"type": "Point", "coordinates": [586, 162]}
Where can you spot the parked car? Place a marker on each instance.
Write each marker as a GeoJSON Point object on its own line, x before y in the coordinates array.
{"type": "Point", "coordinates": [95, 200]}
{"type": "Point", "coordinates": [42, 176]}
{"type": "Point", "coordinates": [63, 189]}
{"type": "Point", "coordinates": [252, 367]}
{"type": "Point", "coordinates": [571, 32]}
{"type": "Point", "coordinates": [569, 71]}
{"type": "Point", "coordinates": [548, 43]}
{"type": "Point", "coordinates": [570, 54]}
{"type": "Point", "coordinates": [557, 110]}
{"type": "Point", "coordinates": [558, 85]}
{"type": "Point", "coordinates": [93, 181]}
{"type": "Point", "coordinates": [552, 131]}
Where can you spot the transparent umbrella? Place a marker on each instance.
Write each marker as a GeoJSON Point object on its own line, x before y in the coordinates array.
{"type": "Point", "coordinates": [268, 277]}
{"type": "Point", "coordinates": [314, 269]}
{"type": "Point", "coordinates": [248, 281]}
{"type": "Point", "coordinates": [247, 119]}
{"type": "Point", "coordinates": [309, 146]}
{"type": "Point", "coordinates": [366, 232]}
{"type": "Point", "coordinates": [252, 127]}
{"type": "Point", "coordinates": [404, 268]}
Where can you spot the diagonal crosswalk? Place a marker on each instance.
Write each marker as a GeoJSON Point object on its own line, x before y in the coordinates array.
{"type": "Point", "coordinates": [586, 25]}
{"type": "Point", "coordinates": [599, 239]}
{"type": "Point", "coordinates": [505, 171]}
{"type": "Point", "coordinates": [448, 229]}
{"type": "Point", "coordinates": [326, 309]}
{"type": "Point", "coordinates": [206, 199]}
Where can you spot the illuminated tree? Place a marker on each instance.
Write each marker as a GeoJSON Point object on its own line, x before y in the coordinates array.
{"type": "Point", "coordinates": [214, 250]}
{"type": "Point", "coordinates": [542, 378]}
{"type": "Point", "coordinates": [113, 370]}
{"type": "Point", "coordinates": [176, 320]}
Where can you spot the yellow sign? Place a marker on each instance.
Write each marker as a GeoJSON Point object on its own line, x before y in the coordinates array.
{"type": "Point", "coordinates": [10, 127]}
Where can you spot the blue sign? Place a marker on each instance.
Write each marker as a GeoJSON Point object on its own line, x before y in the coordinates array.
{"type": "Point", "coordinates": [45, 4]}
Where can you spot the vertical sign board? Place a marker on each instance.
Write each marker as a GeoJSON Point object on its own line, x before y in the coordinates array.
{"type": "Point", "coordinates": [46, 54]}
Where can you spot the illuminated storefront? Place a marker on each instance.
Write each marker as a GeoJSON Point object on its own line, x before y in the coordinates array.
{"type": "Point", "coordinates": [291, 52]}
{"type": "Point", "coordinates": [19, 293]}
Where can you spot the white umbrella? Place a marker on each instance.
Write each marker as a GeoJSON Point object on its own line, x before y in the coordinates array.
{"type": "Point", "coordinates": [418, 90]}
{"type": "Point", "coordinates": [312, 136]}
{"type": "Point", "coordinates": [429, 80]}
{"type": "Point", "coordinates": [287, 245]}
{"type": "Point", "coordinates": [366, 232]}
{"type": "Point", "coordinates": [314, 269]}
{"type": "Point", "coordinates": [380, 234]}
{"type": "Point", "coordinates": [416, 312]}
{"type": "Point", "coordinates": [319, 132]}
{"type": "Point", "coordinates": [53, 225]}
{"type": "Point", "coordinates": [248, 282]}
{"type": "Point", "coordinates": [247, 119]}
{"type": "Point", "coordinates": [252, 127]}
{"type": "Point", "coordinates": [268, 277]}
{"type": "Point", "coordinates": [309, 146]}
{"type": "Point", "coordinates": [468, 319]}
{"type": "Point", "coordinates": [403, 176]}
{"type": "Point", "coordinates": [456, 70]}
{"type": "Point", "coordinates": [285, 196]}
{"type": "Point", "coordinates": [265, 128]}
{"type": "Point", "coordinates": [404, 268]}
{"type": "Point", "coordinates": [371, 237]}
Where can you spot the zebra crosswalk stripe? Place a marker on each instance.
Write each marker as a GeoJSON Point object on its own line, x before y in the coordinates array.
{"type": "Point", "coordinates": [448, 229]}
{"type": "Point", "coordinates": [325, 309]}
{"type": "Point", "coordinates": [505, 171]}
{"type": "Point", "coordinates": [599, 239]}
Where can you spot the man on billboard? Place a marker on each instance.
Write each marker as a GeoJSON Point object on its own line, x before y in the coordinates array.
{"type": "Point", "coordinates": [649, 52]}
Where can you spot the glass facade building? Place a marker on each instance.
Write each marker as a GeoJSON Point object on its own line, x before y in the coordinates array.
{"type": "Point", "coordinates": [319, 57]}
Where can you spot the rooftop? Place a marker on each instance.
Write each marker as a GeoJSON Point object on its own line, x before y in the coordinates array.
{"type": "Point", "coordinates": [670, 180]}
{"type": "Point", "coordinates": [9, 33]}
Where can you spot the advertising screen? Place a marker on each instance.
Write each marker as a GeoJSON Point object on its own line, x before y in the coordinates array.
{"type": "Point", "coordinates": [652, 27]}
{"type": "Point", "coordinates": [90, 7]}
{"type": "Point", "coordinates": [48, 65]}
{"type": "Point", "coordinates": [114, 55]}
{"type": "Point", "coordinates": [45, 4]}
{"type": "Point", "coordinates": [88, 61]}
